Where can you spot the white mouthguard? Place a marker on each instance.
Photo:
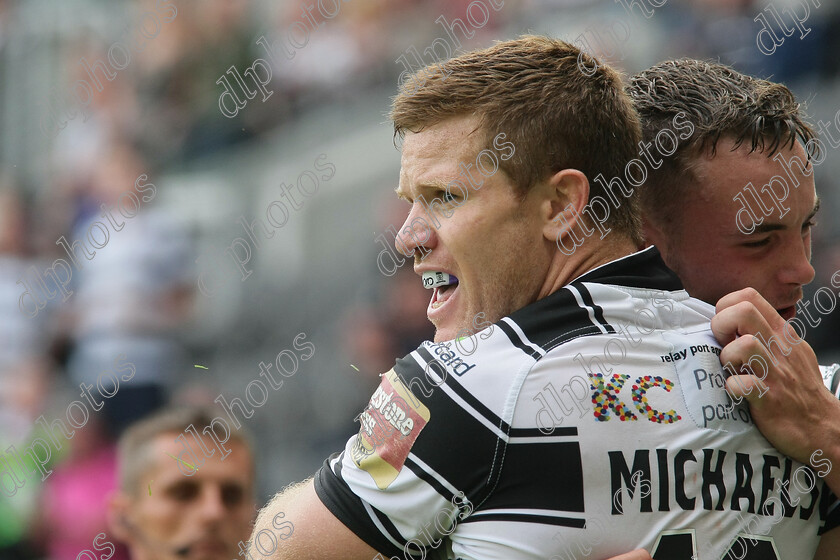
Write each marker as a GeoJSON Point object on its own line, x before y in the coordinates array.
{"type": "Point", "coordinates": [432, 280]}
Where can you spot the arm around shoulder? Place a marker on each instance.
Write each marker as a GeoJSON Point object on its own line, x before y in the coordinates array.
{"type": "Point", "coordinates": [829, 548]}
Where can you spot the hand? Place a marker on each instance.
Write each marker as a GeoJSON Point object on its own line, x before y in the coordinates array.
{"type": "Point", "coordinates": [640, 554]}
{"type": "Point", "coordinates": [789, 402]}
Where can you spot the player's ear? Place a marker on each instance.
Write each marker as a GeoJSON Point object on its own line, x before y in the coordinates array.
{"type": "Point", "coordinates": [568, 194]}
{"type": "Point", "coordinates": [118, 505]}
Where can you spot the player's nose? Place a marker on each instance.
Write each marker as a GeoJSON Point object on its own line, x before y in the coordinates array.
{"type": "Point", "coordinates": [415, 234]}
{"type": "Point", "coordinates": [211, 507]}
{"type": "Point", "coordinates": [796, 265]}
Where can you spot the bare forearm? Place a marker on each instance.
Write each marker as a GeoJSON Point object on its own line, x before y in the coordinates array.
{"type": "Point", "coordinates": [825, 461]}
{"type": "Point", "coordinates": [316, 533]}
{"type": "Point", "coordinates": [829, 548]}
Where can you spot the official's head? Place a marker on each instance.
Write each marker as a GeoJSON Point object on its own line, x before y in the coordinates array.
{"type": "Point", "coordinates": [163, 514]}
{"type": "Point", "coordinates": [507, 154]}
{"type": "Point", "coordinates": [734, 204]}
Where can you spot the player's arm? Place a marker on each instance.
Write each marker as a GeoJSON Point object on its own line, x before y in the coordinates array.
{"type": "Point", "coordinates": [316, 532]}
{"type": "Point", "coordinates": [790, 403]}
{"type": "Point", "coordinates": [829, 548]}
{"type": "Point", "coordinates": [372, 497]}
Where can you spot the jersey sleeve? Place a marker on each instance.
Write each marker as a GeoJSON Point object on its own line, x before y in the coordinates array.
{"type": "Point", "coordinates": [407, 478]}
{"type": "Point", "coordinates": [832, 516]}
{"type": "Point", "coordinates": [831, 378]}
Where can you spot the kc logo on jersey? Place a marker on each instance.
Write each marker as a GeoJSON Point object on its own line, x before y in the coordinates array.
{"type": "Point", "coordinates": [605, 397]}
{"type": "Point", "coordinates": [389, 427]}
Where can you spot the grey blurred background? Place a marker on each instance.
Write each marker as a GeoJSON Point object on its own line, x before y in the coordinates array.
{"type": "Point", "coordinates": [317, 275]}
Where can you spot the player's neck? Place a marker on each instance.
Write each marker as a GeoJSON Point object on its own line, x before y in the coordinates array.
{"type": "Point", "coordinates": [592, 254]}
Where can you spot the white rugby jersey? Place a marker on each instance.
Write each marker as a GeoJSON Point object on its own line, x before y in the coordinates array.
{"type": "Point", "coordinates": [587, 424]}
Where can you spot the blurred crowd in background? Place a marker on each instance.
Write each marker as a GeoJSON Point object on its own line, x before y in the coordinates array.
{"type": "Point", "coordinates": [160, 116]}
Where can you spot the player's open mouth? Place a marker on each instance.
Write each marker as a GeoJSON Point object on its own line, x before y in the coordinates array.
{"type": "Point", "coordinates": [442, 295]}
{"type": "Point", "coordinates": [445, 285]}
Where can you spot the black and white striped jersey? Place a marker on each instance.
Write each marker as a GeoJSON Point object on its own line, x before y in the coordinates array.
{"type": "Point", "coordinates": [587, 424]}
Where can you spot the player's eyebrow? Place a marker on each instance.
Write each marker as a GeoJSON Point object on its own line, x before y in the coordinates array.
{"type": "Point", "coordinates": [425, 185]}
{"type": "Point", "coordinates": [767, 228]}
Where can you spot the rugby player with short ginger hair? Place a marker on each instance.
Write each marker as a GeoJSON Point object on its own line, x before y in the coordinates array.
{"type": "Point", "coordinates": [477, 451]}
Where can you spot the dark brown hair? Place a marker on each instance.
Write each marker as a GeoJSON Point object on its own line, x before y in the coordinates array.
{"type": "Point", "coordinates": [719, 102]}
{"type": "Point", "coordinates": [533, 90]}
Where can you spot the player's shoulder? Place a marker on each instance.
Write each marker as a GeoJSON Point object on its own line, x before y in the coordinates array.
{"type": "Point", "coordinates": [636, 290]}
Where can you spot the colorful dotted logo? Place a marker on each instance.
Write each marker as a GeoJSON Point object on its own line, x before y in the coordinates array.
{"type": "Point", "coordinates": [604, 397]}
{"type": "Point", "coordinates": [639, 390]}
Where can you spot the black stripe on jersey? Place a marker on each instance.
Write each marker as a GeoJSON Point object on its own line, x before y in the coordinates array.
{"type": "Point", "coordinates": [829, 510]}
{"type": "Point", "coordinates": [553, 320]}
{"type": "Point", "coordinates": [338, 465]}
{"type": "Point", "coordinates": [544, 476]}
{"type": "Point", "coordinates": [527, 518]}
{"type": "Point", "coordinates": [535, 432]}
{"type": "Point", "coordinates": [350, 510]}
{"type": "Point", "coordinates": [598, 311]}
{"type": "Point", "coordinates": [429, 478]}
{"type": "Point", "coordinates": [559, 318]}
{"type": "Point", "coordinates": [468, 397]}
{"type": "Point", "coordinates": [386, 523]}
{"type": "Point", "coordinates": [645, 269]}
{"type": "Point", "coordinates": [516, 341]}
{"type": "Point", "coordinates": [454, 443]}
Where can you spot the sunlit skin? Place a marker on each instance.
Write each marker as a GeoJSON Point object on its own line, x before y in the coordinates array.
{"type": "Point", "coordinates": [713, 257]}
{"type": "Point", "coordinates": [500, 247]}
{"type": "Point", "coordinates": [210, 511]}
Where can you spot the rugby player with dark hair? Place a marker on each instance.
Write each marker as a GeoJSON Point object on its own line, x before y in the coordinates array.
{"type": "Point", "coordinates": [731, 211]}
{"type": "Point", "coordinates": [543, 434]}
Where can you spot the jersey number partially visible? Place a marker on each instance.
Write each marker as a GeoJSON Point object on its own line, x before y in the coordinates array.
{"type": "Point", "coordinates": [682, 545]}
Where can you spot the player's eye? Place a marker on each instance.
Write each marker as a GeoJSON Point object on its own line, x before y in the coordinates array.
{"type": "Point", "coordinates": [447, 196]}
{"type": "Point", "coordinates": [756, 244]}
{"type": "Point", "coordinates": [183, 492]}
{"type": "Point", "coordinates": [232, 495]}
{"type": "Point", "coordinates": [806, 227]}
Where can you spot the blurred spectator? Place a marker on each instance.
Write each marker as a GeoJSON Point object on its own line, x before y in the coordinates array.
{"type": "Point", "coordinates": [133, 293]}
{"type": "Point", "coordinates": [159, 512]}
{"type": "Point", "coordinates": [74, 498]}
{"type": "Point", "coordinates": [23, 394]}
{"type": "Point", "coordinates": [21, 336]}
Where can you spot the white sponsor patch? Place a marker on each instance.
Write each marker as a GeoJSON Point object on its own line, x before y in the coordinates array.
{"type": "Point", "coordinates": [696, 359]}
